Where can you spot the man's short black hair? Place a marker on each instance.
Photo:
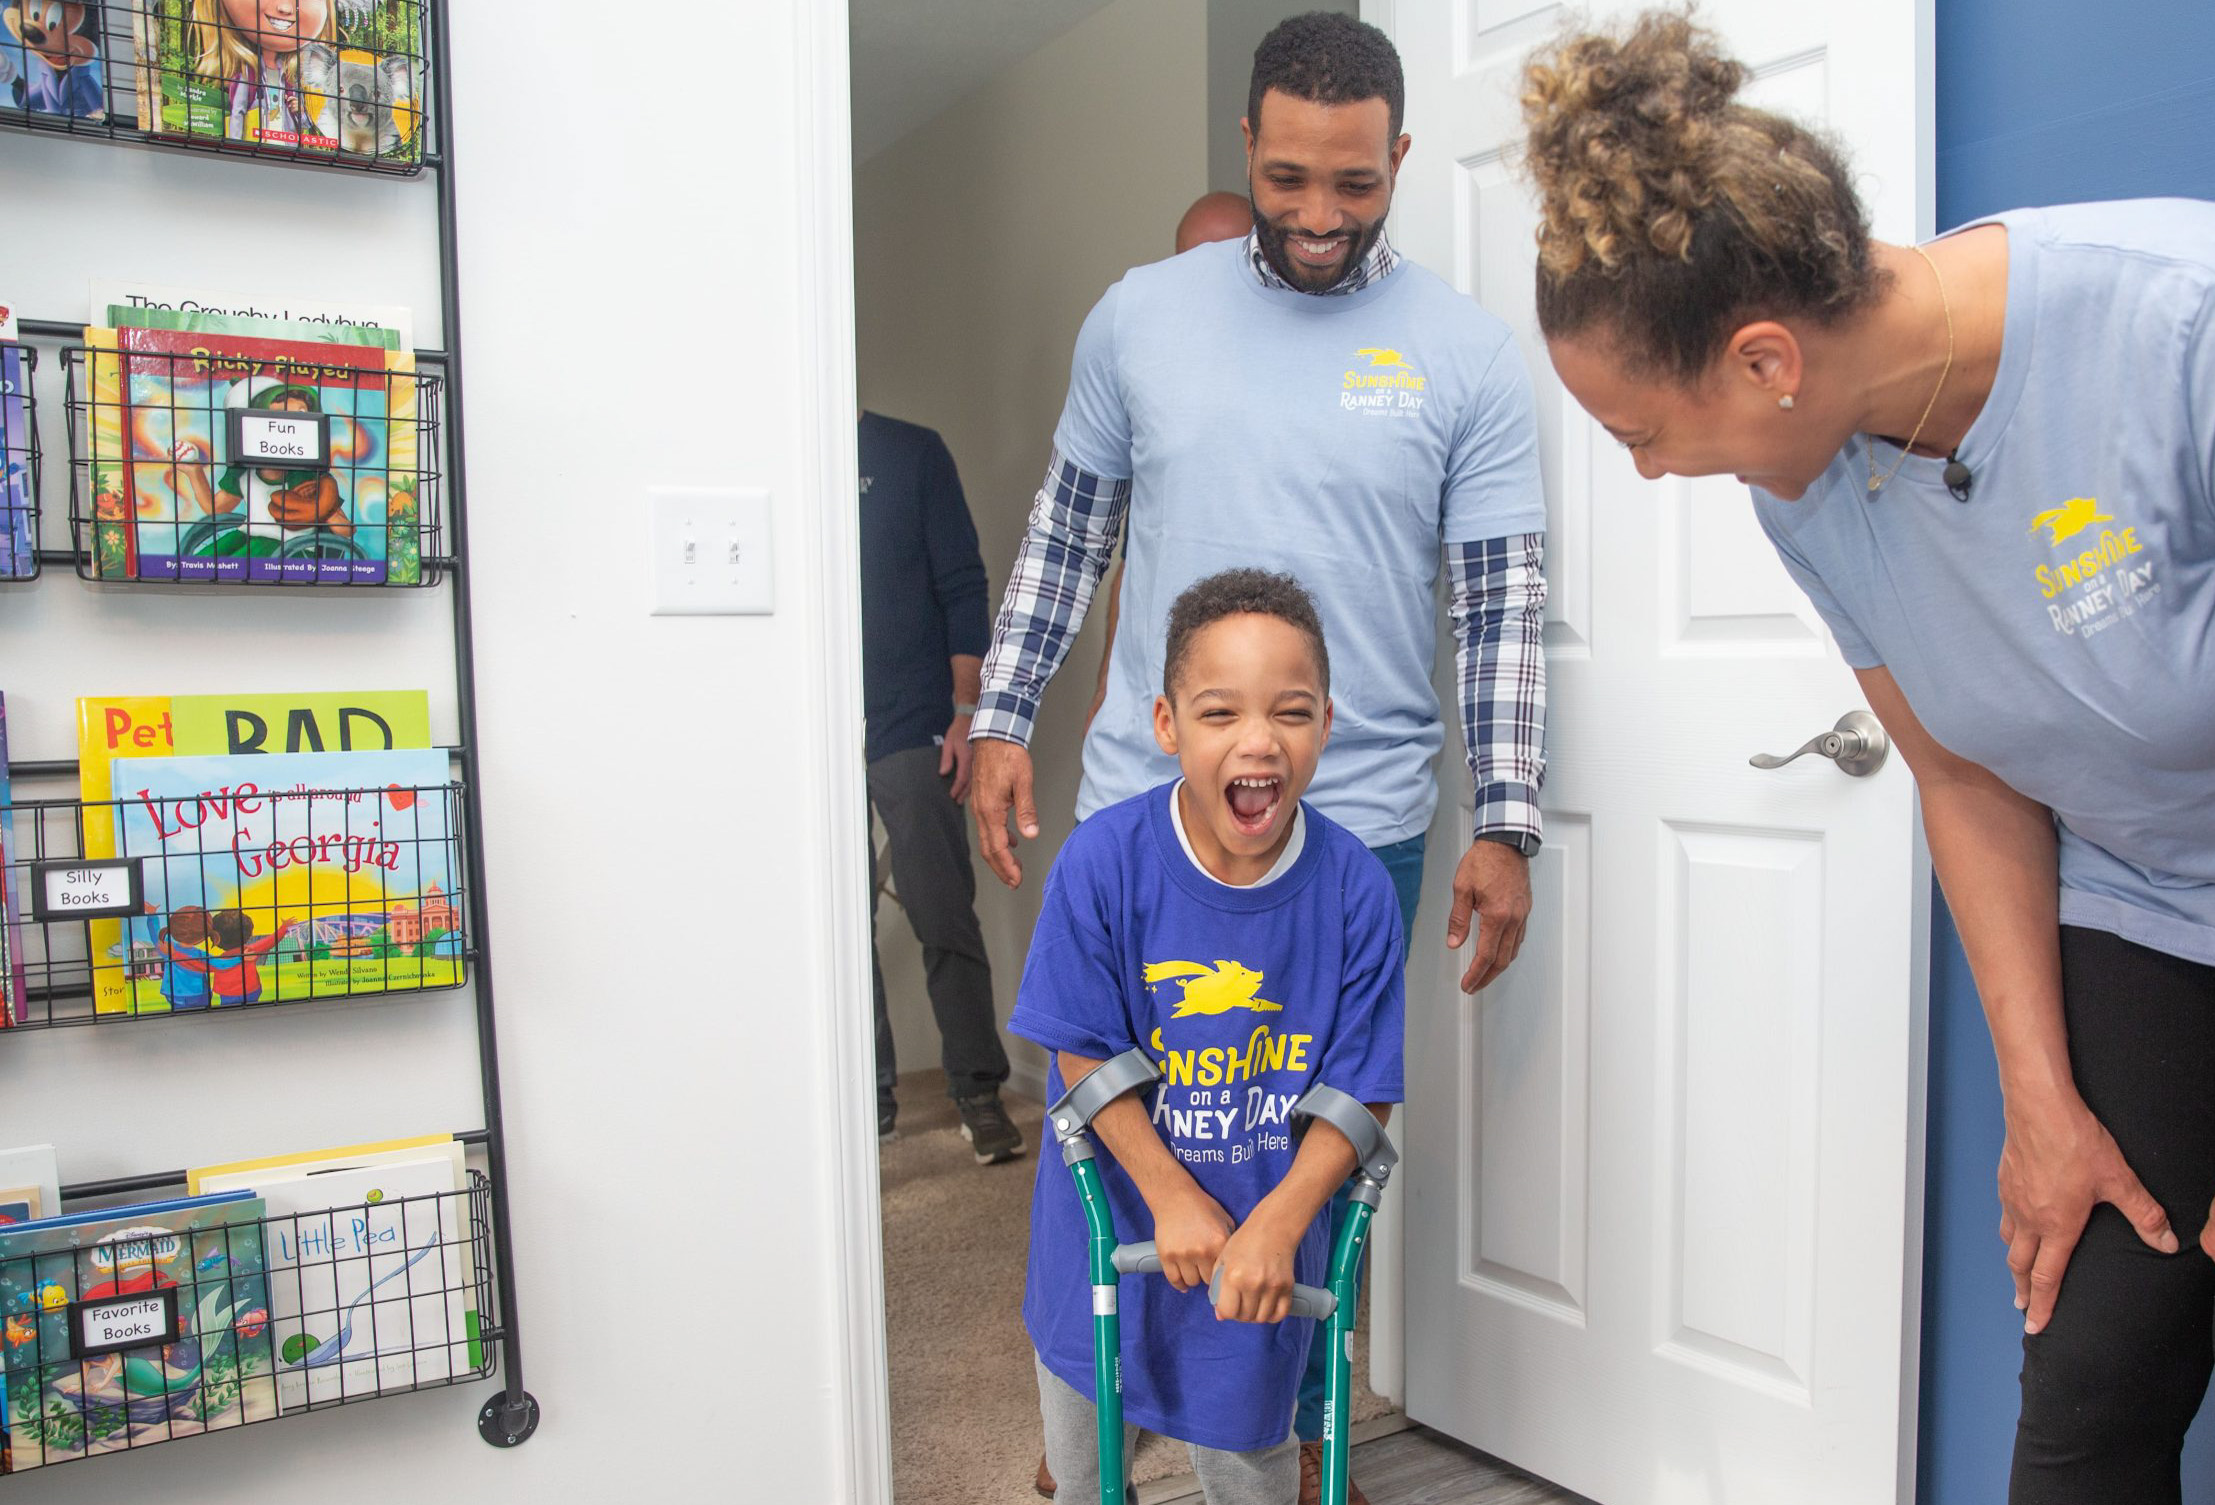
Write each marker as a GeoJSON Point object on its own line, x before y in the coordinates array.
{"type": "Point", "coordinates": [1327, 59]}
{"type": "Point", "coordinates": [1240, 593]}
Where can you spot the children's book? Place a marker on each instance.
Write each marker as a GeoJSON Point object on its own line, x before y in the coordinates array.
{"type": "Point", "coordinates": [369, 1275]}
{"type": "Point", "coordinates": [352, 85]}
{"type": "Point", "coordinates": [17, 545]}
{"type": "Point", "coordinates": [200, 321]}
{"type": "Point", "coordinates": [30, 1184]}
{"type": "Point", "coordinates": [197, 512]}
{"type": "Point", "coordinates": [50, 55]}
{"type": "Point", "coordinates": [112, 292]}
{"type": "Point", "coordinates": [13, 1004]}
{"type": "Point", "coordinates": [219, 1370]}
{"type": "Point", "coordinates": [114, 542]}
{"type": "Point", "coordinates": [290, 876]}
{"type": "Point", "coordinates": [158, 726]}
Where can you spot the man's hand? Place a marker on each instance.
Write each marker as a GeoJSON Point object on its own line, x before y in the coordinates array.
{"type": "Point", "coordinates": [1494, 882]}
{"type": "Point", "coordinates": [2059, 1162]}
{"type": "Point", "coordinates": [1190, 1229]}
{"type": "Point", "coordinates": [1257, 1272]}
{"type": "Point", "coordinates": [1000, 781]}
{"type": "Point", "coordinates": [955, 756]}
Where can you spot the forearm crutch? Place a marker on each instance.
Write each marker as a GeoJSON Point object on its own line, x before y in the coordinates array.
{"type": "Point", "coordinates": [1071, 1117]}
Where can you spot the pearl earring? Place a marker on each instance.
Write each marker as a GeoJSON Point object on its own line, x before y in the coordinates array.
{"type": "Point", "coordinates": [1785, 402]}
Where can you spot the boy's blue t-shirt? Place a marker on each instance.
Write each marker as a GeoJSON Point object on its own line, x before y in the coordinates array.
{"type": "Point", "coordinates": [1245, 998]}
{"type": "Point", "coordinates": [1343, 439]}
{"type": "Point", "coordinates": [2058, 628]}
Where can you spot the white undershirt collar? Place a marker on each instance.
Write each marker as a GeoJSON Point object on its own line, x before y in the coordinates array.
{"type": "Point", "coordinates": [1277, 869]}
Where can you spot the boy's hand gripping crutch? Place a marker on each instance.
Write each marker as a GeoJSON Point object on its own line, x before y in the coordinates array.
{"type": "Point", "coordinates": [1072, 1117]}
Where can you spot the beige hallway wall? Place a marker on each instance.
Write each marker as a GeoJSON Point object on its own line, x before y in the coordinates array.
{"type": "Point", "coordinates": [981, 241]}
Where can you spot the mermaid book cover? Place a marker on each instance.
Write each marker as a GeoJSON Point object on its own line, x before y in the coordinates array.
{"type": "Point", "coordinates": [287, 876]}
{"type": "Point", "coordinates": [217, 1371]}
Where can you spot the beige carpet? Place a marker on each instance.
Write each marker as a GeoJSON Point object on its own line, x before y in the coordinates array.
{"type": "Point", "coordinates": [964, 1403]}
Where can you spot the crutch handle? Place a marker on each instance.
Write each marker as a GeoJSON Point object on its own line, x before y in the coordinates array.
{"type": "Point", "coordinates": [1307, 1301]}
{"type": "Point", "coordinates": [1137, 1259]}
{"type": "Point", "coordinates": [1144, 1259]}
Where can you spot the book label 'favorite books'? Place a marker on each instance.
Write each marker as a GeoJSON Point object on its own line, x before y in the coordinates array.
{"type": "Point", "coordinates": [290, 876]}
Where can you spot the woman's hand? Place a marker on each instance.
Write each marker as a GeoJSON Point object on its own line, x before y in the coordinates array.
{"type": "Point", "coordinates": [1190, 1229]}
{"type": "Point", "coordinates": [2060, 1162]}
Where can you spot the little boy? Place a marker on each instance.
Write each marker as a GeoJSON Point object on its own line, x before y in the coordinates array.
{"type": "Point", "coordinates": [1253, 948]}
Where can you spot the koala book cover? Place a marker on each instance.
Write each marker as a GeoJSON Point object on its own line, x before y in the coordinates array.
{"type": "Point", "coordinates": [343, 77]}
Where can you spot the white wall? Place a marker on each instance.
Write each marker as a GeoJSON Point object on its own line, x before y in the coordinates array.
{"type": "Point", "coordinates": [981, 241]}
{"type": "Point", "coordinates": [660, 794]}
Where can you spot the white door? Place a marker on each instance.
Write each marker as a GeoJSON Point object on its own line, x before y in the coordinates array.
{"type": "Point", "coordinates": [1663, 1186]}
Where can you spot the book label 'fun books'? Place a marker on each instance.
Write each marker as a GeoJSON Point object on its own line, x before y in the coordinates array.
{"type": "Point", "coordinates": [216, 1371]}
{"type": "Point", "coordinates": [290, 876]}
{"type": "Point", "coordinates": [159, 726]}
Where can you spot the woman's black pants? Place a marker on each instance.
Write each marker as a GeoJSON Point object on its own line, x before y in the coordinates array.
{"type": "Point", "coordinates": [2112, 1384]}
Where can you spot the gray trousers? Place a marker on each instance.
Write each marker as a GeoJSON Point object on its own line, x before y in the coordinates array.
{"type": "Point", "coordinates": [928, 835]}
{"type": "Point", "coordinates": [1266, 1476]}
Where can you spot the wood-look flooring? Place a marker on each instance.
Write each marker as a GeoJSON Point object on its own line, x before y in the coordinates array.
{"type": "Point", "coordinates": [1420, 1467]}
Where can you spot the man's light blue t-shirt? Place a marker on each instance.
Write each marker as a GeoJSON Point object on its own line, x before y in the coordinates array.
{"type": "Point", "coordinates": [1341, 439]}
{"type": "Point", "coordinates": [2059, 626]}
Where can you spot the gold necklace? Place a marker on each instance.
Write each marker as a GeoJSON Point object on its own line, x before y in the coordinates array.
{"type": "Point", "coordinates": [1877, 482]}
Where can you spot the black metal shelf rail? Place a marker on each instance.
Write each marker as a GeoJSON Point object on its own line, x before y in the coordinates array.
{"type": "Point", "coordinates": [347, 100]}
{"type": "Point", "coordinates": [19, 462]}
{"type": "Point", "coordinates": [374, 892]}
{"type": "Point", "coordinates": [149, 505]}
{"type": "Point", "coordinates": [512, 1414]}
{"type": "Point", "coordinates": [402, 1286]}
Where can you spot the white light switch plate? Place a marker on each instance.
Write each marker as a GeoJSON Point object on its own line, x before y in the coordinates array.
{"type": "Point", "coordinates": [711, 551]}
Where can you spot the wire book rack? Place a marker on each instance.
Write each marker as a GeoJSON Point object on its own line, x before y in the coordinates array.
{"type": "Point", "coordinates": [281, 118]}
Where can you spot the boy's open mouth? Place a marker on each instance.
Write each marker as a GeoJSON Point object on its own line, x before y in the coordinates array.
{"type": "Point", "coordinates": [1253, 803]}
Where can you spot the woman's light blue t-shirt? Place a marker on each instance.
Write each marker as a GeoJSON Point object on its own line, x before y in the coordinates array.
{"type": "Point", "coordinates": [1342, 439]}
{"type": "Point", "coordinates": [2058, 628]}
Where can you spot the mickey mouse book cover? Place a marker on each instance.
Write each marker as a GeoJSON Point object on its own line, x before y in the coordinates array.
{"type": "Point", "coordinates": [50, 59]}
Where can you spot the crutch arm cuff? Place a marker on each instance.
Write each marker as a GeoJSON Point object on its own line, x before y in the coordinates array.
{"type": "Point", "coordinates": [1351, 1117]}
{"type": "Point", "coordinates": [1075, 1109]}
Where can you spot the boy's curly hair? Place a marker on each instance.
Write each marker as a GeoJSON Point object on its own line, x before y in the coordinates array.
{"type": "Point", "coordinates": [1671, 214]}
{"type": "Point", "coordinates": [1232, 593]}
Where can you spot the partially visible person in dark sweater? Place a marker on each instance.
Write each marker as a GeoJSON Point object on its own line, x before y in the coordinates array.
{"type": "Point", "coordinates": [924, 630]}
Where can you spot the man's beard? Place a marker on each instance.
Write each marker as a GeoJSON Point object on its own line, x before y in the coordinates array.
{"type": "Point", "coordinates": [1279, 255]}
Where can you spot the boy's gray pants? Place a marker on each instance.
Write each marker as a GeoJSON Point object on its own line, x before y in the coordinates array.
{"type": "Point", "coordinates": [1267, 1476]}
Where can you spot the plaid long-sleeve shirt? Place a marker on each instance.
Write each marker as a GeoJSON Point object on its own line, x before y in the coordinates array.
{"type": "Point", "coordinates": [1496, 600]}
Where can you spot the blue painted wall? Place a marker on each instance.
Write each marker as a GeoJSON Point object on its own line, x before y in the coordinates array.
{"type": "Point", "coordinates": [2039, 102]}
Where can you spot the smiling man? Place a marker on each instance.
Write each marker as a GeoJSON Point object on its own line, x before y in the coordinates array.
{"type": "Point", "coordinates": [1301, 400]}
